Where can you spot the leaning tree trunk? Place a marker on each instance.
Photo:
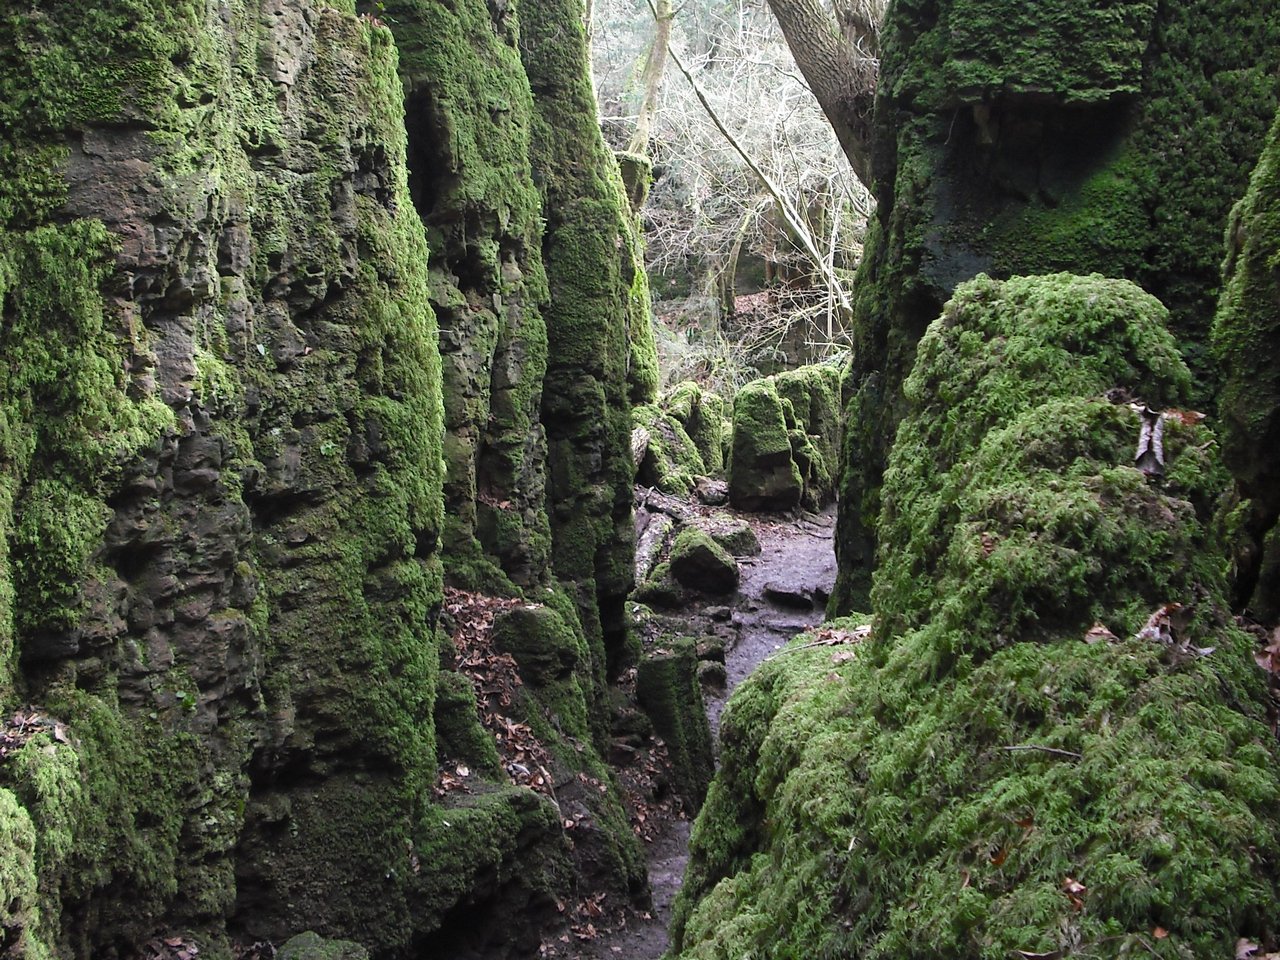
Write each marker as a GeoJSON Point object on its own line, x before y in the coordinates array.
{"type": "Point", "coordinates": [840, 62]}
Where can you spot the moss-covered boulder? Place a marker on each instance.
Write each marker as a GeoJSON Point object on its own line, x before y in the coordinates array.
{"type": "Point", "coordinates": [668, 690]}
{"type": "Point", "coordinates": [312, 946]}
{"type": "Point", "coordinates": [702, 414]}
{"type": "Point", "coordinates": [762, 473]}
{"type": "Point", "coordinates": [1055, 739]}
{"type": "Point", "coordinates": [814, 392]}
{"type": "Point", "coordinates": [1027, 139]}
{"type": "Point", "coordinates": [801, 407]}
{"type": "Point", "coordinates": [670, 461]}
{"type": "Point", "coordinates": [544, 647]}
{"type": "Point", "coordinates": [1247, 335]}
{"type": "Point", "coordinates": [660, 590]}
{"type": "Point", "coordinates": [701, 564]}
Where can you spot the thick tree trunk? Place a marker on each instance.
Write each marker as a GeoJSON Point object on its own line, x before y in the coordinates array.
{"type": "Point", "coordinates": [839, 61]}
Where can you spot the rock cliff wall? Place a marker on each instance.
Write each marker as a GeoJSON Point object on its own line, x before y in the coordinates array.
{"type": "Point", "coordinates": [228, 498]}
{"type": "Point", "coordinates": [1247, 333]}
{"type": "Point", "coordinates": [1019, 139]}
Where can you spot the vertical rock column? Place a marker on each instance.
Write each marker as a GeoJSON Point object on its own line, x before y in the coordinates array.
{"type": "Point", "coordinates": [468, 114]}
{"type": "Point", "coordinates": [1247, 332]}
{"type": "Point", "coordinates": [220, 475]}
{"type": "Point", "coordinates": [585, 408]}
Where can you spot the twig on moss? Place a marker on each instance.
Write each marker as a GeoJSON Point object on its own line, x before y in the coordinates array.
{"type": "Point", "coordinates": [827, 637]}
{"type": "Point", "coordinates": [1053, 750]}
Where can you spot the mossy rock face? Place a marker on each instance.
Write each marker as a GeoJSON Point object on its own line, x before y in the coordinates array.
{"type": "Point", "coordinates": [1247, 335]}
{"type": "Point", "coordinates": [544, 647]}
{"type": "Point", "coordinates": [502, 846]}
{"type": "Point", "coordinates": [671, 462]}
{"type": "Point", "coordinates": [221, 467]}
{"type": "Point", "coordinates": [220, 486]}
{"type": "Point", "coordinates": [459, 735]}
{"type": "Point", "coordinates": [699, 563]}
{"type": "Point", "coordinates": [762, 474]}
{"type": "Point", "coordinates": [808, 419]}
{"type": "Point", "coordinates": [1016, 139]}
{"type": "Point", "coordinates": [668, 690]}
{"type": "Point", "coordinates": [312, 946]}
{"type": "Point", "coordinates": [736, 536]}
{"type": "Point", "coordinates": [990, 773]}
{"type": "Point", "coordinates": [637, 177]}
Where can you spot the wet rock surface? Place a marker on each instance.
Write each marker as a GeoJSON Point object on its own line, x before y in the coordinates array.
{"type": "Point", "coordinates": [781, 592]}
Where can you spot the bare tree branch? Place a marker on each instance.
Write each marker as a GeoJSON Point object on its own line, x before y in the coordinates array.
{"type": "Point", "coordinates": [794, 219]}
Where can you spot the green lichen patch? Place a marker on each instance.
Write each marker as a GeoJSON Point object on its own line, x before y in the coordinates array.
{"type": "Point", "coordinates": [312, 946]}
{"type": "Point", "coordinates": [68, 420]}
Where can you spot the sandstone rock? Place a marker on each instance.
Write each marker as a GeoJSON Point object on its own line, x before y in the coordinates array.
{"type": "Point", "coordinates": [667, 688]}
{"type": "Point", "coordinates": [699, 563]}
{"type": "Point", "coordinates": [737, 537]}
{"type": "Point", "coordinates": [713, 493]}
{"type": "Point", "coordinates": [311, 946]}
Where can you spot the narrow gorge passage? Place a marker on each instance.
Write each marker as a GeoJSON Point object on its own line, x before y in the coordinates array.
{"type": "Point", "coordinates": [782, 592]}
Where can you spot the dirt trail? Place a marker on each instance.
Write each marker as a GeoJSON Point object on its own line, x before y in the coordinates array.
{"type": "Point", "coordinates": [783, 592]}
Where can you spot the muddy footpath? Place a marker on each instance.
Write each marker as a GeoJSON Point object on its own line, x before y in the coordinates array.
{"type": "Point", "coordinates": [782, 591]}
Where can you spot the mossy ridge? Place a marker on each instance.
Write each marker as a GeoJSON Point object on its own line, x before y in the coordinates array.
{"type": "Point", "coordinates": [469, 118]}
{"type": "Point", "coordinates": [672, 462]}
{"type": "Point", "coordinates": [1082, 173]}
{"type": "Point", "coordinates": [1246, 333]}
{"type": "Point", "coordinates": [585, 400]}
{"type": "Point", "coordinates": [869, 806]}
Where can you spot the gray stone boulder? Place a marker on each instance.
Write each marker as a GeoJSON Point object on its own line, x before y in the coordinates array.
{"type": "Point", "coordinates": [699, 563]}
